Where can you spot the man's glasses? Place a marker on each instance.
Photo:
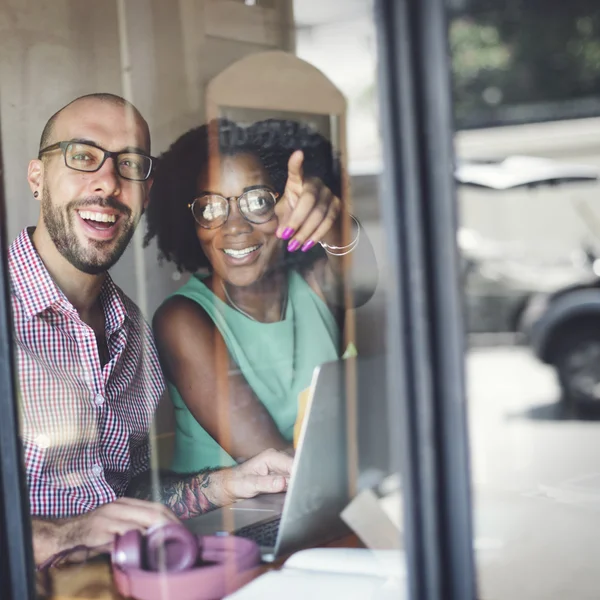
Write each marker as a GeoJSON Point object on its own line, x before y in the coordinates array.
{"type": "Point", "coordinates": [256, 205]}
{"type": "Point", "coordinates": [89, 158]}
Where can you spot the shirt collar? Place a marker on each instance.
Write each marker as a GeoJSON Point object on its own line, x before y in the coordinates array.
{"type": "Point", "coordinates": [30, 280]}
{"type": "Point", "coordinates": [37, 291]}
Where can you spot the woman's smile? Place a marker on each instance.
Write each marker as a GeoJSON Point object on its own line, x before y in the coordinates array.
{"type": "Point", "coordinates": [242, 255]}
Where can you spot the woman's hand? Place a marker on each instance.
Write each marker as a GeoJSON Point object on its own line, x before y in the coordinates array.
{"type": "Point", "coordinates": [308, 210]}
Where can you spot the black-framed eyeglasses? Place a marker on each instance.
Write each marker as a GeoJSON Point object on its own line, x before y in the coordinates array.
{"type": "Point", "coordinates": [89, 158]}
{"type": "Point", "coordinates": [256, 205]}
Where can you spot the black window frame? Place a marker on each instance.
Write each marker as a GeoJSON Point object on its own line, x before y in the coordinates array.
{"type": "Point", "coordinates": [426, 340]}
{"type": "Point", "coordinates": [16, 551]}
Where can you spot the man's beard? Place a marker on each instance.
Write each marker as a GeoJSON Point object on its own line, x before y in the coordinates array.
{"type": "Point", "coordinates": [99, 256]}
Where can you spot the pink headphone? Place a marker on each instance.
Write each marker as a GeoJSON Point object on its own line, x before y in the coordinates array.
{"type": "Point", "coordinates": [171, 562]}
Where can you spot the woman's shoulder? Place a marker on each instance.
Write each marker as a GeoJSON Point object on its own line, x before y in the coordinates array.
{"type": "Point", "coordinates": [184, 334]}
{"type": "Point", "coordinates": [195, 293]}
{"type": "Point", "coordinates": [180, 313]}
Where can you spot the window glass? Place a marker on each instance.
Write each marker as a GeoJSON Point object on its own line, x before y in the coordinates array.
{"type": "Point", "coordinates": [529, 238]}
{"type": "Point", "coordinates": [198, 274]}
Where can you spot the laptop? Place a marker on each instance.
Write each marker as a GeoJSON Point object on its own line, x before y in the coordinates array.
{"type": "Point", "coordinates": [319, 489]}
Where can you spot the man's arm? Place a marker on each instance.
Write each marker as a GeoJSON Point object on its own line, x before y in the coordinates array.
{"type": "Point", "coordinates": [186, 495]}
{"type": "Point", "coordinates": [192, 495]}
{"type": "Point", "coordinates": [95, 528]}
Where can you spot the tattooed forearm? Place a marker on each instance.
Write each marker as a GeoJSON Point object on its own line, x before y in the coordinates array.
{"type": "Point", "coordinates": [188, 498]}
{"type": "Point", "coordinates": [186, 495]}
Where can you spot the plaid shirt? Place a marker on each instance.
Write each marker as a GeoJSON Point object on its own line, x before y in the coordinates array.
{"type": "Point", "coordinates": [85, 427]}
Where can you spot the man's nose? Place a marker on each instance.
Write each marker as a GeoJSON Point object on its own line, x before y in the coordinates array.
{"type": "Point", "coordinates": [107, 180]}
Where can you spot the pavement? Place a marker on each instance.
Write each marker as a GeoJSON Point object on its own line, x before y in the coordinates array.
{"type": "Point", "coordinates": [536, 481]}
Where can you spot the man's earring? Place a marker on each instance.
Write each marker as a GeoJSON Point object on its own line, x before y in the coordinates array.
{"type": "Point", "coordinates": [35, 194]}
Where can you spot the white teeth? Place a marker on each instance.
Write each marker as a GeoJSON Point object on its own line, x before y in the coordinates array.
{"type": "Point", "coordinates": [239, 253]}
{"type": "Point", "coordinates": [88, 215]}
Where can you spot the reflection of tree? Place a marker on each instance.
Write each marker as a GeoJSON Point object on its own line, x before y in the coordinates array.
{"type": "Point", "coordinates": [524, 51]}
{"type": "Point", "coordinates": [480, 62]}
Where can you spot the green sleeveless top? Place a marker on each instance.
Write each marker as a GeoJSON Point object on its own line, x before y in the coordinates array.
{"type": "Point", "coordinates": [276, 359]}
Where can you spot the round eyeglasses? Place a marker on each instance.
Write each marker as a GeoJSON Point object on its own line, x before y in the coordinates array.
{"type": "Point", "coordinates": [87, 157]}
{"type": "Point", "coordinates": [256, 205]}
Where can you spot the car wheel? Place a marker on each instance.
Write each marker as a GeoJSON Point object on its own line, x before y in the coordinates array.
{"type": "Point", "coordinates": [577, 360]}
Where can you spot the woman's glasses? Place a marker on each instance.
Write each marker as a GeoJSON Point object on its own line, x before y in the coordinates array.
{"type": "Point", "coordinates": [256, 205]}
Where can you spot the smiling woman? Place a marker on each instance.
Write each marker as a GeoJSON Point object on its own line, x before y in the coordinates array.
{"type": "Point", "coordinates": [239, 345]}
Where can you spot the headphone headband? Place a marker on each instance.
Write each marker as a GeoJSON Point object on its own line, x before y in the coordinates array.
{"type": "Point", "coordinates": [176, 564]}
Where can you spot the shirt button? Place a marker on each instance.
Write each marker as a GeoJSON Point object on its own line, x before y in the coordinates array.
{"type": "Point", "coordinates": [97, 470]}
{"type": "Point", "coordinates": [42, 441]}
{"type": "Point", "coordinates": [99, 400]}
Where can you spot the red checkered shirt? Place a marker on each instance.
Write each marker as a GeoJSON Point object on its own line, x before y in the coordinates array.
{"type": "Point", "coordinates": [85, 427]}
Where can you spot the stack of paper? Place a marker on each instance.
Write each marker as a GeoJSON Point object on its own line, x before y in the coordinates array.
{"type": "Point", "coordinates": [325, 573]}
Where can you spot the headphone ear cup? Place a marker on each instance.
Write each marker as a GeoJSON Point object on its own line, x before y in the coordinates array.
{"type": "Point", "coordinates": [127, 550]}
{"type": "Point", "coordinates": [171, 548]}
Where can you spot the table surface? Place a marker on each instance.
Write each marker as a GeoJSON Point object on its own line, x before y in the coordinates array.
{"type": "Point", "coordinates": [94, 580]}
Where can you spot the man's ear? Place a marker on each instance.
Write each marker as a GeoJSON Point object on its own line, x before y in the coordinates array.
{"type": "Point", "coordinates": [35, 176]}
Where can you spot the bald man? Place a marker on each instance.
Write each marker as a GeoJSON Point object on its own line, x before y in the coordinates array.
{"type": "Point", "coordinates": [89, 376]}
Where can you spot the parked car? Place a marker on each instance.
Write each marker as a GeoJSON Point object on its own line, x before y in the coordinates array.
{"type": "Point", "coordinates": [499, 278]}
{"type": "Point", "coordinates": [559, 314]}
{"type": "Point", "coordinates": [499, 281]}
{"type": "Point", "coordinates": [563, 329]}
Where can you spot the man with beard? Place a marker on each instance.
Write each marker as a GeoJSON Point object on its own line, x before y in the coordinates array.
{"type": "Point", "coordinates": [89, 375]}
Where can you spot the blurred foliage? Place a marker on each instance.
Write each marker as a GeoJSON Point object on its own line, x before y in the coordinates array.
{"type": "Point", "coordinates": [508, 53]}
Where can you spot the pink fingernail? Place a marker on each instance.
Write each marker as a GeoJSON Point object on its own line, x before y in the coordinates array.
{"type": "Point", "coordinates": [287, 233]}
{"type": "Point", "coordinates": [293, 245]}
{"type": "Point", "coordinates": [307, 246]}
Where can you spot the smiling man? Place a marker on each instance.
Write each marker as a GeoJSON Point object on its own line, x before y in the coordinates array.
{"type": "Point", "coordinates": [89, 376]}
{"type": "Point", "coordinates": [95, 215]}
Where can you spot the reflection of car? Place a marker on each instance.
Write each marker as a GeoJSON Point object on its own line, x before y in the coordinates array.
{"type": "Point", "coordinates": [499, 279]}
{"type": "Point", "coordinates": [563, 328]}
{"type": "Point", "coordinates": [521, 171]}
{"type": "Point", "coordinates": [499, 282]}
{"type": "Point", "coordinates": [559, 313]}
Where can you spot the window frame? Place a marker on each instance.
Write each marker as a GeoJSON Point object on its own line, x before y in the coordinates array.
{"type": "Point", "coordinates": [16, 552]}
{"type": "Point", "coordinates": [426, 340]}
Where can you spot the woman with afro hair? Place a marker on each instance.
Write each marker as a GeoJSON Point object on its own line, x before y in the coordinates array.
{"type": "Point", "coordinates": [254, 215]}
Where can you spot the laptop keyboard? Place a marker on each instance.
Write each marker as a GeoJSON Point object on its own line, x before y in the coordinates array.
{"type": "Point", "coordinates": [264, 534]}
